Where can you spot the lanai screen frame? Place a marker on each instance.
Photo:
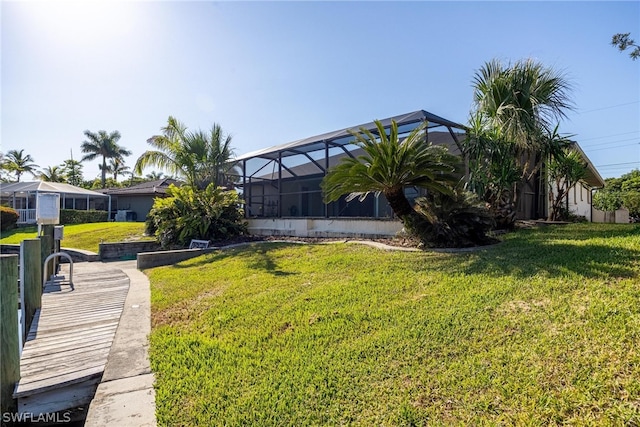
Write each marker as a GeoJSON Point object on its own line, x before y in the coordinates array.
{"type": "Point", "coordinates": [323, 144]}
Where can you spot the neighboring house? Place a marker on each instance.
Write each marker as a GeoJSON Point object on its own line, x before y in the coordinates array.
{"type": "Point", "coordinates": [134, 203]}
{"type": "Point", "coordinates": [281, 185]}
{"type": "Point", "coordinates": [23, 197]}
{"type": "Point", "coordinates": [578, 200]}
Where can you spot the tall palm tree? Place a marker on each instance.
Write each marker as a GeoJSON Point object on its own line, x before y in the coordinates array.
{"type": "Point", "coordinates": [52, 174]}
{"type": "Point", "coordinates": [18, 163]}
{"type": "Point", "coordinates": [200, 157]}
{"type": "Point", "coordinates": [389, 165]}
{"type": "Point", "coordinates": [105, 145]}
{"type": "Point", "coordinates": [513, 128]}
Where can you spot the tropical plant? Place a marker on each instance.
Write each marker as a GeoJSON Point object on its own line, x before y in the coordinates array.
{"type": "Point", "coordinates": [154, 176]}
{"type": "Point", "coordinates": [72, 170]}
{"type": "Point", "coordinates": [200, 157]}
{"type": "Point", "coordinates": [620, 192]}
{"type": "Point", "coordinates": [52, 174]}
{"type": "Point", "coordinates": [117, 167]}
{"type": "Point", "coordinates": [389, 165]}
{"type": "Point", "coordinates": [564, 172]}
{"type": "Point", "coordinates": [97, 183]}
{"type": "Point", "coordinates": [105, 145]}
{"type": "Point", "coordinates": [189, 213]}
{"type": "Point", "coordinates": [18, 163]}
{"type": "Point", "coordinates": [514, 129]}
{"type": "Point", "coordinates": [623, 41]}
{"type": "Point", "coordinates": [458, 219]}
{"type": "Point", "coordinates": [607, 200]}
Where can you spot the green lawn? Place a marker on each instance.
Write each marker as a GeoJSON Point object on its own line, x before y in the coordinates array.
{"type": "Point", "coordinates": [543, 329]}
{"type": "Point", "coordinates": [84, 236]}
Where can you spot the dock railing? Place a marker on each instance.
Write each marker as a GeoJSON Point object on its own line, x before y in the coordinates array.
{"type": "Point", "coordinates": [12, 325]}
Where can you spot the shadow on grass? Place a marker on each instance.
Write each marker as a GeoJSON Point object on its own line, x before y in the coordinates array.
{"type": "Point", "coordinates": [560, 251]}
{"type": "Point", "coordinates": [256, 256]}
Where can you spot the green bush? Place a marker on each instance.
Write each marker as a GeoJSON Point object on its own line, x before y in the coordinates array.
{"type": "Point", "coordinates": [72, 216]}
{"type": "Point", "coordinates": [455, 220]}
{"type": "Point", "coordinates": [8, 218]}
{"type": "Point", "coordinates": [209, 214]}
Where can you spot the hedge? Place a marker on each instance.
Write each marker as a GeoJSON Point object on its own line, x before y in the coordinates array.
{"type": "Point", "coordinates": [71, 216]}
{"type": "Point", "coordinates": [8, 218]}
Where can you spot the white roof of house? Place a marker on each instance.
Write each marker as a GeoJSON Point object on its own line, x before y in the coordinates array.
{"type": "Point", "coordinates": [8, 189]}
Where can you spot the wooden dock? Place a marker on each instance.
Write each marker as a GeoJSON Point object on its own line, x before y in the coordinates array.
{"type": "Point", "coordinates": [66, 349]}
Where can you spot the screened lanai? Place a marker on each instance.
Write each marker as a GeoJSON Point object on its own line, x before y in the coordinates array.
{"type": "Point", "coordinates": [284, 180]}
{"type": "Point", "coordinates": [23, 196]}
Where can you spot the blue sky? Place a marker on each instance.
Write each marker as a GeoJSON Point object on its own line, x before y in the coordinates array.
{"type": "Point", "coordinates": [274, 72]}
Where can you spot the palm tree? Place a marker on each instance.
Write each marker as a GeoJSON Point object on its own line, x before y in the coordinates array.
{"type": "Point", "coordinates": [117, 167]}
{"type": "Point", "coordinates": [105, 145]}
{"type": "Point", "coordinates": [18, 163]}
{"type": "Point", "coordinates": [513, 128]}
{"type": "Point", "coordinates": [154, 176]}
{"type": "Point", "coordinates": [52, 174]}
{"type": "Point", "coordinates": [201, 158]}
{"type": "Point", "coordinates": [389, 165]}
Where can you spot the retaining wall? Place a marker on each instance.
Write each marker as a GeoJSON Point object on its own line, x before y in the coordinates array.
{"type": "Point", "coordinates": [125, 250]}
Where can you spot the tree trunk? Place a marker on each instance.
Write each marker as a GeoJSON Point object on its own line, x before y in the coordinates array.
{"type": "Point", "coordinates": [398, 202]}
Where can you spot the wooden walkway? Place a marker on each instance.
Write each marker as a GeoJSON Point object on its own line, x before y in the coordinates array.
{"type": "Point", "coordinates": [66, 349]}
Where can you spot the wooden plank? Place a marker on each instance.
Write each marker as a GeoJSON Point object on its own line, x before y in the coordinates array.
{"type": "Point", "coordinates": [64, 364]}
{"type": "Point", "coordinates": [64, 333]}
{"type": "Point", "coordinates": [67, 354]}
{"type": "Point", "coordinates": [50, 401]}
{"type": "Point", "coordinates": [47, 350]}
{"type": "Point", "coordinates": [60, 382]}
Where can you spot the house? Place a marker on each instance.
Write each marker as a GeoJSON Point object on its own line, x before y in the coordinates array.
{"type": "Point", "coordinates": [280, 185]}
{"type": "Point", "coordinates": [23, 197]}
{"type": "Point", "coordinates": [134, 203]}
{"type": "Point", "coordinates": [578, 200]}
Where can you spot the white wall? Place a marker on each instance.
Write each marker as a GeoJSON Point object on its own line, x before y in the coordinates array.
{"type": "Point", "coordinates": [621, 216]}
{"type": "Point", "coordinates": [309, 227]}
{"type": "Point", "coordinates": [579, 199]}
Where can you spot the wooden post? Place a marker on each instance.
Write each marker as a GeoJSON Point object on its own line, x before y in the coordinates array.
{"type": "Point", "coordinates": [47, 247]}
{"type": "Point", "coordinates": [9, 346]}
{"type": "Point", "coordinates": [32, 274]}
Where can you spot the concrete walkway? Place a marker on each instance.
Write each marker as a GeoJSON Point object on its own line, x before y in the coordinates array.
{"type": "Point", "coordinates": [125, 396]}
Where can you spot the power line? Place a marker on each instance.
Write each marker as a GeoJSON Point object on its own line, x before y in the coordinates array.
{"type": "Point", "coordinates": [607, 136]}
{"type": "Point", "coordinates": [606, 108]}
{"type": "Point", "coordinates": [617, 146]}
{"type": "Point", "coordinates": [609, 142]}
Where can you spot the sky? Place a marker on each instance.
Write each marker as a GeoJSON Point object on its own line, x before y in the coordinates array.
{"type": "Point", "coordinates": [275, 72]}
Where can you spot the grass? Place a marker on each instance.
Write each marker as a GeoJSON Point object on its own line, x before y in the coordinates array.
{"type": "Point", "coordinates": [543, 329]}
{"type": "Point", "coordinates": [84, 236]}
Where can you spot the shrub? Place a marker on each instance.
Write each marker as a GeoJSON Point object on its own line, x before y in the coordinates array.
{"type": "Point", "coordinates": [209, 214]}
{"type": "Point", "coordinates": [453, 220]}
{"type": "Point", "coordinates": [8, 218]}
{"type": "Point", "coordinates": [72, 216]}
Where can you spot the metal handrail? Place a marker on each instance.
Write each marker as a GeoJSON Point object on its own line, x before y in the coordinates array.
{"type": "Point", "coordinates": [55, 255]}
